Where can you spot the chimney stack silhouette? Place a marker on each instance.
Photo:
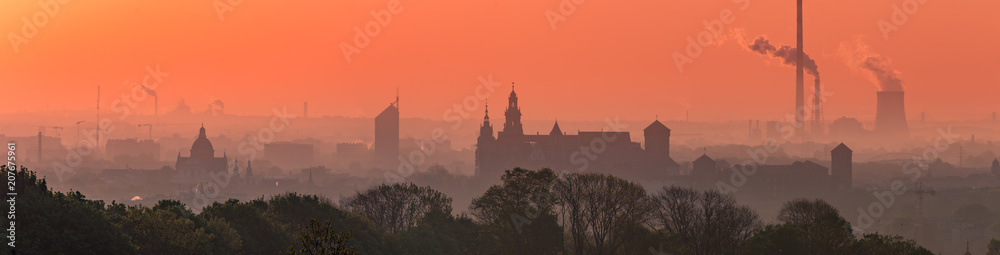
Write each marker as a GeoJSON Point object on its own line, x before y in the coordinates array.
{"type": "Point", "coordinates": [799, 75]}
{"type": "Point", "coordinates": [890, 116]}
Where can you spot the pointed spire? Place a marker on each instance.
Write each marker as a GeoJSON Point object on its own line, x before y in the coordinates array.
{"type": "Point", "coordinates": [555, 129]}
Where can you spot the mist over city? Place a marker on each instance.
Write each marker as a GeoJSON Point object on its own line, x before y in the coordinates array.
{"type": "Point", "coordinates": [501, 127]}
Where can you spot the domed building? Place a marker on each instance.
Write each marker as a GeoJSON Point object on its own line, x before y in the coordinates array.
{"type": "Point", "coordinates": [201, 162]}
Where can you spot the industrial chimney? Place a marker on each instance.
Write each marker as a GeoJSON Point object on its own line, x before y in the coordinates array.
{"type": "Point", "coordinates": [890, 116]}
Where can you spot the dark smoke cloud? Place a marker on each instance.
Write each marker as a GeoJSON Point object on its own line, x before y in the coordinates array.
{"type": "Point", "coordinates": [219, 103]}
{"type": "Point", "coordinates": [149, 91]}
{"type": "Point", "coordinates": [785, 53]}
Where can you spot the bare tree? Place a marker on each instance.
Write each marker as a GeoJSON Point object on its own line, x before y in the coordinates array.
{"type": "Point", "coordinates": [708, 222]}
{"type": "Point", "coordinates": [396, 207]}
{"type": "Point", "coordinates": [598, 208]}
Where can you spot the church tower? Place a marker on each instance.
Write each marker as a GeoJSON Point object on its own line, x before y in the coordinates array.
{"type": "Point", "coordinates": [485, 144]}
{"type": "Point", "coordinates": [512, 124]}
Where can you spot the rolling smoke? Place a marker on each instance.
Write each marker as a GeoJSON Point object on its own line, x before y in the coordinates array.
{"type": "Point", "coordinates": [784, 52]}
{"type": "Point", "coordinates": [860, 57]}
{"type": "Point", "coordinates": [220, 104]}
{"type": "Point", "coordinates": [888, 78]}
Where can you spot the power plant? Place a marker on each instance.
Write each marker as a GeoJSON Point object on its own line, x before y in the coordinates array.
{"type": "Point", "coordinates": [890, 115]}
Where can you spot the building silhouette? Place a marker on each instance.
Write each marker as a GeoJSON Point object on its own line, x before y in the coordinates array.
{"type": "Point", "coordinates": [386, 146]}
{"type": "Point", "coordinates": [289, 154]}
{"type": "Point", "coordinates": [201, 162]}
{"type": "Point", "coordinates": [133, 150]}
{"type": "Point", "coordinates": [995, 169]}
{"type": "Point", "coordinates": [591, 151]}
{"type": "Point", "coordinates": [777, 182]}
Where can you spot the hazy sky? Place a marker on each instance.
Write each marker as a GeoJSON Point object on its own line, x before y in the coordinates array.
{"type": "Point", "coordinates": [606, 59]}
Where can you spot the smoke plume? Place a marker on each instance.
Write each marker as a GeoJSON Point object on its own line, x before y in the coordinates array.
{"type": "Point", "coordinates": [783, 52]}
{"type": "Point", "coordinates": [860, 57]}
{"type": "Point", "coordinates": [220, 104]}
{"type": "Point", "coordinates": [148, 90]}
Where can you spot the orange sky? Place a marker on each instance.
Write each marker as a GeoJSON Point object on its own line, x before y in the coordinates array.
{"type": "Point", "coordinates": [608, 58]}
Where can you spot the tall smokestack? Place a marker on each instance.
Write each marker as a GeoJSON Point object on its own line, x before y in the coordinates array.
{"type": "Point", "coordinates": [799, 78]}
{"type": "Point", "coordinates": [305, 109]}
{"type": "Point", "coordinates": [890, 116]}
{"type": "Point", "coordinates": [817, 125]}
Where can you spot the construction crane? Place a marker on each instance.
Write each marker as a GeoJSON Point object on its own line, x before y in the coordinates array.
{"type": "Point", "coordinates": [42, 129]}
{"type": "Point", "coordinates": [150, 130]}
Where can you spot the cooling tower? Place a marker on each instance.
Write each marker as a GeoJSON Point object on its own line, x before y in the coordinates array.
{"type": "Point", "coordinates": [890, 117]}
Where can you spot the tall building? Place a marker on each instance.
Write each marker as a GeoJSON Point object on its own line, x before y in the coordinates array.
{"type": "Point", "coordinates": [201, 162]}
{"type": "Point", "coordinates": [587, 151]}
{"type": "Point", "coordinates": [386, 146]}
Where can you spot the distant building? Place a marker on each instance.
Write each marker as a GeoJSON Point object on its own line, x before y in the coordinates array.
{"type": "Point", "coordinates": [779, 182]}
{"type": "Point", "coordinates": [288, 154]}
{"type": "Point", "coordinates": [201, 162]}
{"type": "Point", "coordinates": [773, 130]}
{"type": "Point", "coordinates": [132, 150]}
{"type": "Point", "coordinates": [386, 146]}
{"type": "Point", "coordinates": [845, 127]}
{"type": "Point", "coordinates": [353, 152]}
{"type": "Point", "coordinates": [842, 166]}
{"type": "Point", "coordinates": [996, 167]}
{"type": "Point", "coordinates": [602, 151]}
{"type": "Point", "coordinates": [34, 148]}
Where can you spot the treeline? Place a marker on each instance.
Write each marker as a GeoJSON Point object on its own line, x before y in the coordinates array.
{"type": "Point", "coordinates": [531, 212]}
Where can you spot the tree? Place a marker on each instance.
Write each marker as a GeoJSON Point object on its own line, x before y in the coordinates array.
{"type": "Point", "coordinates": [993, 248]}
{"type": "Point", "coordinates": [783, 239]}
{"type": "Point", "coordinates": [875, 244]}
{"type": "Point", "coordinates": [826, 231]}
{"type": "Point", "coordinates": [49, 222]}
{"type": "Point", "coordinates": [260, 234]}
{"type": "Point", "coordinates": [439, 233]}
{"type": "Point", "coordinates": [322, 239]}
{"type": "Point", "coordinates": [520, 214]}
{"type": "Point", "coordinates": [598, 208]}
{"type": "Point", "coordinates": [292, 212]}
{"type": "Point", "coordinates": [708, 222]}
{"type": "Point", "coordinates": [170, 228]}
{"type": "Point", "coordinates": [396, 207]}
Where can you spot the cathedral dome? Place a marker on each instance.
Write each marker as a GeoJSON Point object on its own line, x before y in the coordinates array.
{"type": "Point", "coordinates": [202, 147]}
